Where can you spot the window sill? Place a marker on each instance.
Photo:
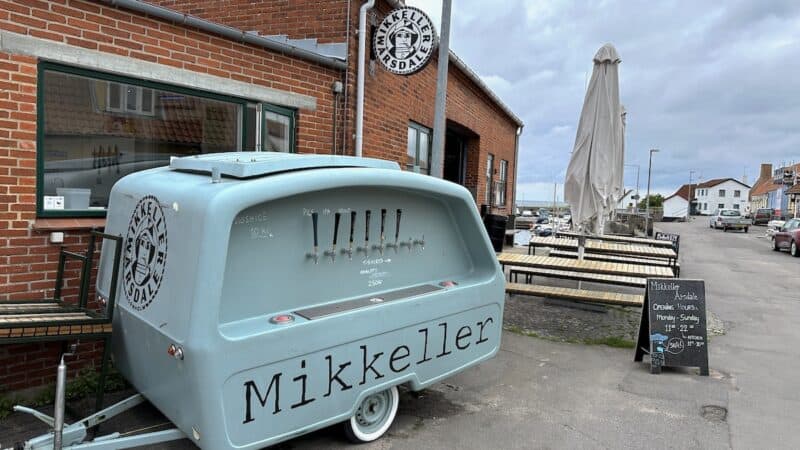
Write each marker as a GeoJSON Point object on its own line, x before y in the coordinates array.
{"type": "Point", "coordinates": [64, 224]}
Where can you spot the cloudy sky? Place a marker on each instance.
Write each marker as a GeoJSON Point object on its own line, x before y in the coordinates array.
{"type": "Point", "coordinates": [714, 85]}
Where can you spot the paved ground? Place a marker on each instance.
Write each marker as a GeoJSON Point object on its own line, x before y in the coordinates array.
{"type": "Point", "coordinates": [542, 394]}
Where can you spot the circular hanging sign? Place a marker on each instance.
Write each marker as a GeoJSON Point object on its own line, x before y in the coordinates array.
{"type": "Point", "coordinates": [405, 40]}
{"type": "Point", "coordinates": [145, 255]}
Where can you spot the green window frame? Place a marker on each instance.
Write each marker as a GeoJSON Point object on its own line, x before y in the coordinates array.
{"type": "Point", "coordinates": [418, 131]}
{"type": "Point", "coordinates": [47, 66]}
{"type": "Point", "coordinates": [289, 113]}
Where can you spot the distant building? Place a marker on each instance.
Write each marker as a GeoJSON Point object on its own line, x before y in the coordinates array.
{"type": "Point", "coordinates": [677, 204]}
{"type": "Point", "coordinates": [776, 189]}
{"type": "Point", "coordinates": [722, 193]}
{"type": "Point", "coordinates": [629, 200]}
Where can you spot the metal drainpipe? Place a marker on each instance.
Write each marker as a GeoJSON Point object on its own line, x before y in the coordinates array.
{"type": "Point", "coordinates": [516, 172]}
{"type": "Point", "coordinates": [362, 50]}
{"type": "Point", "coordinates": [226, 31]}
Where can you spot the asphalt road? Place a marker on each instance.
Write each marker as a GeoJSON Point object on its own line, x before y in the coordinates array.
{"type": "Point", "coordinates": [542, 394]}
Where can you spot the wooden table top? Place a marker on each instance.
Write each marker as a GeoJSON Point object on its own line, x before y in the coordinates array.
{"type": "Point", "coordinates": [547, 262]}
{"type": "Point", "coordinates": [611, 238]}
{"type": "Point", "coordinates": [604, 247]}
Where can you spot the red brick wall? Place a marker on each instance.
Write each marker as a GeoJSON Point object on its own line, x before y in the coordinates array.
{"type": "Point", "coordinates": [27, 260]}
{"type": "Point", "coordinates": [298, 19]}
{"type": "Point", "coordinates": [392, 101]}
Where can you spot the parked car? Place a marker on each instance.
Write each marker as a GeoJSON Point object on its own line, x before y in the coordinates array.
{"type": "Point", "coordinates": [773, 226]}
{"type": "Point", "coordinates": [763, 216]}
{"type": "Point", "coordinates": [788, 238]}
{"type": "Point", "coordinates": [729, 219]}
{"type": "Point", "coordinates": [527, 213]}
{"type": "Point", "coordinates": [543, 220]}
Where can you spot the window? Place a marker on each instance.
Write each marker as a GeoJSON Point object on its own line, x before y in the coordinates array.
{"type": "Point", "coordinates": [722, 192]}
{"type": "Point", "coordinates": [277, 129]}
{"type": "Point", "coordinates": [737, 194]}
{"type": "Point", "coordinates": [735, 206]}
{"type": "Point", "coordinates": [418, 151]}
{"type": "Point", "coordinates": [94, 128]}
{"type": "Point", "coordinates": [131, 99]}
{"type": "Point", "coordinates": [500, 190]}
{"type": "Point", "coordinates": [705, 206]}
{"type": "Point", "coordinates": [720, 205]}
{"type": "Point", "coordinates": [489, 173]}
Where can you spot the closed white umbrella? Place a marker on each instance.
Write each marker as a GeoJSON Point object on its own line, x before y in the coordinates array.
{"type": "Point", "coordinates": [594, 175]}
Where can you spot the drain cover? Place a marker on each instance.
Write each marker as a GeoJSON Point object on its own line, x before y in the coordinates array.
{"type": "Point", "coordinates": [714, 413]}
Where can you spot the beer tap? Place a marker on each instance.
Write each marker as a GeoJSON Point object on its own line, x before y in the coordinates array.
{"type": "Point", "coordinates": [421, 242]}
{"type": "Point", "coordinates": [349, 249]}
{"type": "Point", "coordinates": [396, 244]}
{"type": "Point", "coordinates": [332, 251]}
{"type": "Point", "coordinates": [365, 248]}
{"type": "Point", "coordinates": [314, 255]}
{"type": "Point", "coordinates": [383, 232]}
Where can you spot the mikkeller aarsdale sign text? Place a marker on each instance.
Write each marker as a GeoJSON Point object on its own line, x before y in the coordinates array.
{"type": "Point", "coordinates": [405, 40]}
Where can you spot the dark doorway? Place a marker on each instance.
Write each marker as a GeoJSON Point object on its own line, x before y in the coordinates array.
{"type": "Point", "coordinates": [455, 158]}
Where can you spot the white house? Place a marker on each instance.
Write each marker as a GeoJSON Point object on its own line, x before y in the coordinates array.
{"type": "Point", "coordinates": [677, 204]}
{"type": "Point", "coordinates": [722, 193]}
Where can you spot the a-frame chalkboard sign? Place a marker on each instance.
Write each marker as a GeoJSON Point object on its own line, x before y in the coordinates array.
{"type": "Point", "coordinates": [673, 326]}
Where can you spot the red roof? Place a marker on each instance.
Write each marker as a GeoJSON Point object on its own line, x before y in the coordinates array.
{"type": "Point", "coordinates": [716, 181]}
{"type": "Point", "coordinates": [794, 189]}
{"type": "Point", "coordinates": [762, 187]}
{"type": "Point", "coordinates": [685, 192]}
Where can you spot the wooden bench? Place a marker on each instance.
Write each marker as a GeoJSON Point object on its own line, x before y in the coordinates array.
{"type": "Point", "coordinates": [549, 262]}
{"type": "Point", "coordinates": [53, 319]}
{"type": "Point", "coordinates": [674, 265]}
{"type": "Point", "coordinates": [618, 280]}
{"type": "Point", "coordinates": [582, 295]}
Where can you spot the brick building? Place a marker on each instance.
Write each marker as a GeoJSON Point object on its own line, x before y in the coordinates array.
{"type": "Point", "coordinates": [91, 91]}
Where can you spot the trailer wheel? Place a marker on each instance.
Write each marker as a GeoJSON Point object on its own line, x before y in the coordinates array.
{"type": "Point", "coordinates": [373, 416]}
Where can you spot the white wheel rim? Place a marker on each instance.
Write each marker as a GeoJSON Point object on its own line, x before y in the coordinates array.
{"type": "Point", "coordinates": [368, 415]}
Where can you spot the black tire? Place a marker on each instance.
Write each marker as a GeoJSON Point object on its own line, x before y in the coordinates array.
{"type": "Point", "coordinates": [725, 229]}
{"type": "Point", "coordinates": [794, 249]}
{"type": "Point", "coordinates": [745, 229]}
{"type": "Point", "coordinates": [775, 245]}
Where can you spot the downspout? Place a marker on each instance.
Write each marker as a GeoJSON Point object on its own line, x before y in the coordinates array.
{"type": "Point", "coordinates": [362, 50]}
{"type": "Point", "coordinates": [516, 172]}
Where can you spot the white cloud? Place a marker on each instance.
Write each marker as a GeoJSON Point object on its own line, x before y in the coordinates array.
{"type": "Point", "coordinates": [711, 84]}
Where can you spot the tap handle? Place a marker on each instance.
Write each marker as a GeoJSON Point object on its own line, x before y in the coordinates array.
{"type": "Point", "coordinates": [383, 222]}
{"type": "Point", "coordinates": [397, 225]}
{"type": "Point", "coordinates": [352, 225]}
{"type": "Point", "coordinates": [366, 227]}
{"type": "Point", "coordinates": [314, 220]}
{"type": "Point", "coordinates": [336, 218]}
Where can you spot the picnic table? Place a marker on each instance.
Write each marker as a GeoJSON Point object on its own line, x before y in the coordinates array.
{"type": "Point", "coordinates": [615, 238]}
{"type": "Point", "coordinates": [611, 268]}
{"type": "Point", "coordinates": [609, 248]}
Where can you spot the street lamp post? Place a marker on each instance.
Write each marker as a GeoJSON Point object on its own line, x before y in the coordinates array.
{"type": "Point", "coordinates": [689, 200]}
{"type": "Point", "coordinates": [647, 199]}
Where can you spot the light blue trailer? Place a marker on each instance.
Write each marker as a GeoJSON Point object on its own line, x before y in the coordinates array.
{"type": "Point", "coordinates": [265, 295]}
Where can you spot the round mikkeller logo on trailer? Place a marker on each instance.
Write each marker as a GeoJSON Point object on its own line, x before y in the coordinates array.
{"type": "Point", "coordinates": [145, 253]}
{"type": "Point", "coordinates": [404, 41]}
